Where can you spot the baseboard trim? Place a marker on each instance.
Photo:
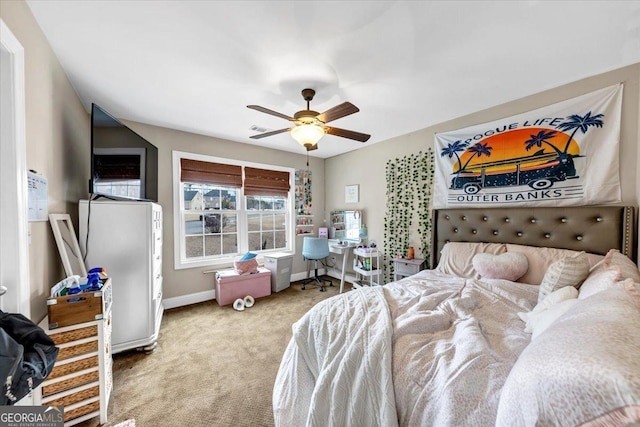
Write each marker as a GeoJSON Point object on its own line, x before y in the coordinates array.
{"type": "Point", "coordinates": [183, 300]}
{"type": "Point", "coordinates": [188, 299]}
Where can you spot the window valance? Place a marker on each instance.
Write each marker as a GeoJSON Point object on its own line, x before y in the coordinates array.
{"type": "Point", "coordinates": [210, 173]}
{"type": "Point", "coordinates": [264, 182]}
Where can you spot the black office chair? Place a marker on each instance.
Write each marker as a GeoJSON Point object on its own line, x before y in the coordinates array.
{"type": "Point", "coordinates": [315, 249]}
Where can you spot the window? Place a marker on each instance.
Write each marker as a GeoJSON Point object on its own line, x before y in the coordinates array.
{"type": "Point", "coordinates": [225, 208]}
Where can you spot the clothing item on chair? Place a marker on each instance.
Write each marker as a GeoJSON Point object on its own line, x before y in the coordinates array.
{"type": "Point", "coordinates": [315, 249]}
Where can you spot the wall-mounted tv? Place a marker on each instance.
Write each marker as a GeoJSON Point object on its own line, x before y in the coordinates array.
{"type": "Point", "coordinates": [123, 164]}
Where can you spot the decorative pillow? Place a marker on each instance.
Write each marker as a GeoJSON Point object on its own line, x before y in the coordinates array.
{"type": "Point", "coordinates": [557, 296]}
{"type": "Point", "coordinates": [245, 267]}
{"type": "Point", "coordinates": [628, 269]}
{"type": "Point", "coordinates": [457, 257]}
{"type": "Point", "coordinates": [540, 259]}
{"type": "Point", "coordinates": [584, 366]}
{"type": "Point", "coordinates": [554, 298]}
{"type": "Point", "coordinates": [507, 266]}
{"type": "Point", "coordinates": [539, 322]}
{"type": "Point", "coordinates": [599, 280]}
{"type": "Point", "coordinates": [570, 271]}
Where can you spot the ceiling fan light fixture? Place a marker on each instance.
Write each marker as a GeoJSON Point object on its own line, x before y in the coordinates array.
{"type": "Point", "coordinates": [307, 135]}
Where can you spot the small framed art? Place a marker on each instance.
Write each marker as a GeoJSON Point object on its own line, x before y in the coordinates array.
{"type": "Point", "coordinates": [351, 193]}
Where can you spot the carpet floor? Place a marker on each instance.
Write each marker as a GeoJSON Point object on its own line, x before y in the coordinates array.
{"type": "Point", "coordinates": [213, 366]}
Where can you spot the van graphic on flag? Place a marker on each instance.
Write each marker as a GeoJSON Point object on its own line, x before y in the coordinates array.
{"type": "Point", "coordinates": [564, 154]}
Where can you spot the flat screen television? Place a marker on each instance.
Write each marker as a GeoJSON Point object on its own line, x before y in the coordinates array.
{"type": "Point", "coordinates": [123, 164]}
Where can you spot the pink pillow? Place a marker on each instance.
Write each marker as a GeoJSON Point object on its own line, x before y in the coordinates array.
{"type": "Point", "coordinates": [507, 266]}
{"type": "Point", "coordinates": [456, 257]}
{"type": "Point", "coordinates": [599, 280]}
{"type": "Point", "coordinates": [628, 269]}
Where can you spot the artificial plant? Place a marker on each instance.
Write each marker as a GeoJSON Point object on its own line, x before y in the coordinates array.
{"type": "Point", "coordinates": [409, 189]}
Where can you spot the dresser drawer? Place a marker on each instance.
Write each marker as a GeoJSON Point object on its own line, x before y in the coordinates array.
{"type": "Point", "coordinates": [76, 397]}
{"type": "Point", "coordinates": [57, 387]}
{"type": "Point", "coordinates": [77, 350]}
{"type": "Point", "coordinates": [407, 268]}
{"type": "Point", "coordinates": [74, 335]}
{"type": "Point", "coordinates": [60, 370]}
{"type": "Point", "coordinates": [82, 410]}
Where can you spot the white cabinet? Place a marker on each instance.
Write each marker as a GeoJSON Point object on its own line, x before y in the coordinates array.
{"type": "Point", "coordinates": [81, 377]}
{"type": "Point", "coordinates": [366, 264]}
{"type": "Point", "coordinates": [125, 238]}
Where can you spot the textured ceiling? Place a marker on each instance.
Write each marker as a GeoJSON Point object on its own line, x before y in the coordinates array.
{"type": "Point", "coordinates": [196, 65]}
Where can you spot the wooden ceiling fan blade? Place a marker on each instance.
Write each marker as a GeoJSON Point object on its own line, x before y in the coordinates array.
{"type": "Point", "coordinates": [338, 112]}
{"type": "Point", "coordinates": [266, 134]}
{"type": "Point", "coordinates": [268, 111]}
{"type": "Point", "coordinates": [350, 134]}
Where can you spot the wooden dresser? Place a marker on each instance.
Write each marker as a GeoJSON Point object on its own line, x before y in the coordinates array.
{"type": "Point", "coordinates": [81, 379]}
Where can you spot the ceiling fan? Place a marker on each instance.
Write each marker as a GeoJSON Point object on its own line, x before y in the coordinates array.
{"type": "Point", "coordinates": [310, 125]}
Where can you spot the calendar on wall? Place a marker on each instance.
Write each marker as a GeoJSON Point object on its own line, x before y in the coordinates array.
{"type": "Point", "coordinates": [38, 198]}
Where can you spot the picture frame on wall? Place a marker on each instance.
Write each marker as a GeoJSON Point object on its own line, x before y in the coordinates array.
{"type": "Point", "coordinates": [351, 193]}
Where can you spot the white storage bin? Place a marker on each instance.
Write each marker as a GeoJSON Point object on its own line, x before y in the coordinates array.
{"type": "Point", "coordinates": [280, 265]}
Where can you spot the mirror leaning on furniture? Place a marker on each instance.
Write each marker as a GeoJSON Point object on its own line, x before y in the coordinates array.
{"type": "Point", "coordinates": [78, 279]}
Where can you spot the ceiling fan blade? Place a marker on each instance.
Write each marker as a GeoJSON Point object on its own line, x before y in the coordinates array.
{"type": "Point", "coordinates": [267, 111]}
{"type": "Point", "coordinates": [338, 112]}
{"type": "Point", "coordinates": [266, 134]}
{"type": "Point", "coordinates": [362, 137]}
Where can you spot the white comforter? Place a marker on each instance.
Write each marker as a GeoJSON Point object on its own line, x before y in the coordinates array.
{"type": "Point", "coordinates": [431, 349]}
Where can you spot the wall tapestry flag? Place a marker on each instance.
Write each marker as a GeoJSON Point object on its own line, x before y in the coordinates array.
{"type": "Point", "coordinates": [560, 155]}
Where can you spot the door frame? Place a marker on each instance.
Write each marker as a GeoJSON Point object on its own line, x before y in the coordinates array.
{"type": "Point", "coordinates": [13, 170]}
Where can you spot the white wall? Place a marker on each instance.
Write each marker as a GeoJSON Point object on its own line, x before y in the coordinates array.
{"type": "Point", "coordinates": [57, 139]}
{"type": "Point", "coordinates": [366, 166]}
{"type": "Point", "coordinates": [58, 144]}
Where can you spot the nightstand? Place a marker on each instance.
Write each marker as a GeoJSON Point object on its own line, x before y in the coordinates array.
{"type": "Point", "coordinates": [407, 267]}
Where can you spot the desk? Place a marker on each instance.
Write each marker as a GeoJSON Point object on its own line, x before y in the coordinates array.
{"type": "Point", "coordinates": [344, 250]}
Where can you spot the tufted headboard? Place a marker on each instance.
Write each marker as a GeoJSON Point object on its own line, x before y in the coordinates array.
{"type": "Point", "coordinates": [594, 229]}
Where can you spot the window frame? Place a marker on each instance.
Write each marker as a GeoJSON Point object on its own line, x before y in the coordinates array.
{"type": "Point", "coordinates": [179, 252]}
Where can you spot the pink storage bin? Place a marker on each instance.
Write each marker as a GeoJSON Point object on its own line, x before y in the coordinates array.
{"type": "Point", "coordinates": [230, 286]}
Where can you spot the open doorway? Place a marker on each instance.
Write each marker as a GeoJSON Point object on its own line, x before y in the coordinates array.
{"type": "Point", "coordinates": [14, 249]}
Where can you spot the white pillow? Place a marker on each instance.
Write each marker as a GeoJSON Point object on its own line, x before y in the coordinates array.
{"type": "Point", "coordinates": [456, 257]}
{"type": "Point", "coordinates": [599, 280]}
{"type": "Point", "coordinates": [555, 297]}
{"type": "Point", "coordinates": [570, 271]}
{"type": "Point", "coordinates": [507, 266]}
{"type": "Point", "coordinates": [542, 320]}
{"type": "Point", "coordinates": [541, 258]}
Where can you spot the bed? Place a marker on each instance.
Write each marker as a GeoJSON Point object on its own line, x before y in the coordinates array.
{"type": "Point", "coordinates": [529, 316]}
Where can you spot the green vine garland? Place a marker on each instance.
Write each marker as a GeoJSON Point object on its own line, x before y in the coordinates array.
{"type": "Point", "coordinates": [409, 190]}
